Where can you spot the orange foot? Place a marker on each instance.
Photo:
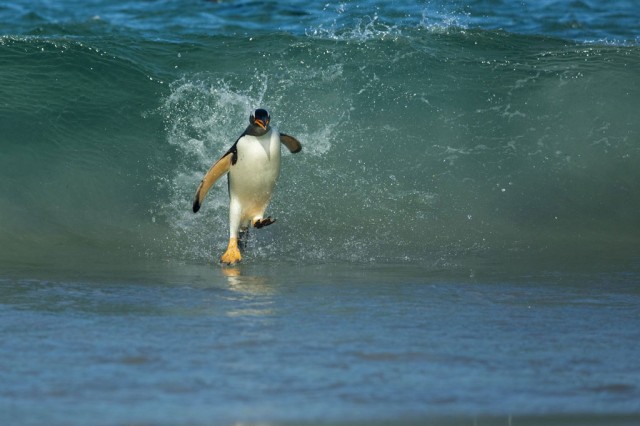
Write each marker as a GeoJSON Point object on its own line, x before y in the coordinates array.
{"type": "Point", "coordinates": [232, 255]}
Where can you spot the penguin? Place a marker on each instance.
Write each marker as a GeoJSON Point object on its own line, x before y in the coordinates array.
{"type": "Point", "coordinates": [253, 166]}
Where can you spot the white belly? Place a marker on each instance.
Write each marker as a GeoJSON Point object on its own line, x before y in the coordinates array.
{"type": "Point", "coordinates": [253, 177]}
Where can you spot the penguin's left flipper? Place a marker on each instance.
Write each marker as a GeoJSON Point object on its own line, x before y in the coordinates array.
{"type": "Point", "coordinates": [219, 169]}
{"type": "Point", "coordinates": [261, 223]}
{"type": "Point", "coordinates": [291, 143]}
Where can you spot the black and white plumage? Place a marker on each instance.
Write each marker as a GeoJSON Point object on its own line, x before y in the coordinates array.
{"type": "Point", "coordinates": [253, 164]}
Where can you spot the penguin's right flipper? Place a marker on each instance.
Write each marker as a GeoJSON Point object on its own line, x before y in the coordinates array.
{"type": "Point", "coordinates": [219, 169]}
{"type": "Point", "coordinates": [291, 143]}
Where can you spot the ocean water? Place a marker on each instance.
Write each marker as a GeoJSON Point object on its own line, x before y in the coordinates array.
{"type": "Point", "coordinates": [457, 243]}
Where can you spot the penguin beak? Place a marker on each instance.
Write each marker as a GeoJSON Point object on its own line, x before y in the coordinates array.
{"type": "Point", "coordinates": [261, 124]}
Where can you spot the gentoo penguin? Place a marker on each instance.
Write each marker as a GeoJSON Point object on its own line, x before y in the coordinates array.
{"type": "Point", "coordinates": [253, 164]}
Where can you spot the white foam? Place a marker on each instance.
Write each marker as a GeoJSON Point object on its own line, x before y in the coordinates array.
{"type": "Point", "coordinates": [203, 117]}
{"type": "Point", "coordinates": [365, 29]}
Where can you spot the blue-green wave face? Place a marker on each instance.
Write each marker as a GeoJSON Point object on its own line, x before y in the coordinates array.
{"type": "Point", "coordinates": [429, 133]}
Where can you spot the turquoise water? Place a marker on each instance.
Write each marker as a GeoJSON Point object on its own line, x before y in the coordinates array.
{"type": "Point", "coordinates": [458, 240]}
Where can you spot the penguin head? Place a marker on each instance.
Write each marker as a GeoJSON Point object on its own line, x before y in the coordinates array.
{"type": "Point", "coordinates": [260, 121]}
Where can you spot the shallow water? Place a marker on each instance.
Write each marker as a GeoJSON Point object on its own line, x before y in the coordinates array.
{"type": "Point", "coordinates": [338, 343]}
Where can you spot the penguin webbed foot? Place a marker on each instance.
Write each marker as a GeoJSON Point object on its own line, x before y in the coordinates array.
{"type": "Point", "coordinates": [261, 223]}
{"type": "Point", "coordinates": [232, 255]}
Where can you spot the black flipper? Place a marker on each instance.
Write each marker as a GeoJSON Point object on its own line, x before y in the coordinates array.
{"type": "Point", "coordinates": [291, 143]}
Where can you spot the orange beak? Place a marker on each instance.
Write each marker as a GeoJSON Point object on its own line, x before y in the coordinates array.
{"type": "Point", "coordinates": [261, 124]}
